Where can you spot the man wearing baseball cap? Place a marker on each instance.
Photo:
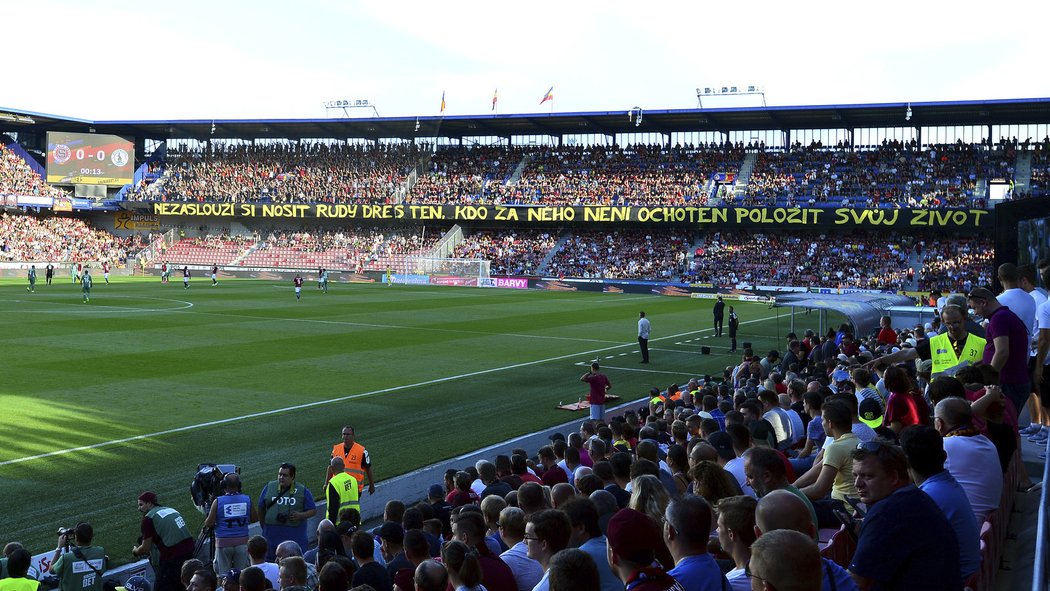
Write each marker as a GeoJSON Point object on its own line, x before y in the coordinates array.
{"type": "Point", "coordinates": [136, 583]}
{"type": "Point", "coordinates": [164, 529]}
{"type": "Point", "coordinates": [632, 537]}
{"type": "Point", "coordinates": [870, 413]}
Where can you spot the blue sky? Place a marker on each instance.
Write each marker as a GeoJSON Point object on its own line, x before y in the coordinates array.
{"type": "Point", "coordinates": [234, 59]}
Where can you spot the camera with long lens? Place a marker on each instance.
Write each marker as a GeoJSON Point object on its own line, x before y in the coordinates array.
{"type": "Point", "coordinates": [69, 533]}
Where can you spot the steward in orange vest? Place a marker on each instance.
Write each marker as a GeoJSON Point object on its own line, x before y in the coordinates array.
{"type": "Point", "coordinates": [355, 459]}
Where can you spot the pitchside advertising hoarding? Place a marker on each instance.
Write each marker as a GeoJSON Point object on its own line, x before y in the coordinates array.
{"type": "Point", "coordinates": [720, 217]}
{"type": "Point", "coordinates": [89, 159]}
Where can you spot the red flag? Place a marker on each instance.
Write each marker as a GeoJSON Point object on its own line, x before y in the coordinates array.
{"type": "Point", "coordinates": [549, 96]}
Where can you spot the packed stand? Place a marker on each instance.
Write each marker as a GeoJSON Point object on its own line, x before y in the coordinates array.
{"type": "Point", "coordinates": [288, 173]}
{"type": "Point", "coordinates": [62, 239]}
{"type": "Point", "coordinates": [1039, 185]}
{"type": "Point", "coordinates": [956, 264]}
{"type": "Point", "coordinates": [866, 260]}
{"type": "Point", "coordinates": [467, 175]}
{"type": "Point", "coordinates": [516, 252]}
{"type": "Point", "coordinates": [636, 175]}
{"type": "Point", "coordinates": [17, 178]}
{"type": "Point", "coordinates": [894, 174]}
{"type": "Point", "coordinates": [621, 254]}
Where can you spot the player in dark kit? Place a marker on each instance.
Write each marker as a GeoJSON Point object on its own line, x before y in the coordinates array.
{"type": "Point", "coordinates": [185, 277]}
{"type": "Point", "coordinates": [49, 273]}
{"type": "Point", "coordinates": [298, 286]}
{"type": "Point", "coordinates": [214, 275]}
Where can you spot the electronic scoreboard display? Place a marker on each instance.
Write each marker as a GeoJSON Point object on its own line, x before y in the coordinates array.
{"type": "Point", "coordinates": [89, 159]}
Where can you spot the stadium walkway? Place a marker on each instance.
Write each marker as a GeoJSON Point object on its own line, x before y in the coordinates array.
{"type": "Point", "coordinates": [1016, 566]}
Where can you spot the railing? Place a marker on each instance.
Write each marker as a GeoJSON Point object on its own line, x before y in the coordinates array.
{"type": "Point", "coordinates": [1041, 566]}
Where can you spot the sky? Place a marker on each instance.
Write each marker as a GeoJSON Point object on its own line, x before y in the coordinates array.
{"type": "Point", "coordinates": [229, 59]}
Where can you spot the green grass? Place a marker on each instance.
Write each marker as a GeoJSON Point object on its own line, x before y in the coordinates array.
{"type": "Point", "coordinates": [423, 373]}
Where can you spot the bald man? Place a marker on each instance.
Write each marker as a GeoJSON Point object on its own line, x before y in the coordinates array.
{"type": "Point", "coordinates": [782, 510]}
{"type": "Point", "coordinates": [785, 559]}
{"type": "Point", "coordinates": [342, 490]}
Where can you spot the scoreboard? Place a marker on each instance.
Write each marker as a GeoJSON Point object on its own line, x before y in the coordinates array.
{"type": "Point", "coordinates": [89, 159]}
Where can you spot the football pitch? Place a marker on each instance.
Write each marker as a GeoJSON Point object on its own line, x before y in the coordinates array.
{"type": "Point", "coordinates": [131, 391]}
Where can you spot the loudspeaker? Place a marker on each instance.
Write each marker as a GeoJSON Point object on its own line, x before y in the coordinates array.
{"type": "Point", "coordinates": [705, 350]}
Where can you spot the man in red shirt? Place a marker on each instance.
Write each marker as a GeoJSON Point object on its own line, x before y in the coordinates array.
{"type": "Point", "coordinates": [599, 384]}
{"type": "Point", "coordinates": [887, 336]}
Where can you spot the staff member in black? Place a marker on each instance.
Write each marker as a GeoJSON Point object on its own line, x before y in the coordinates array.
{"type": "Point", "coordinates": [734, 322]}
{"type": "Point", "coordinates": [718, 311]}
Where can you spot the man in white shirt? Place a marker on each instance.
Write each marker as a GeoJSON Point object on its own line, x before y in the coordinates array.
{"type": "Point", "coordinates": [1037, 430]}
{"type": "Point", "coordinates": [972, 457]}
{"type": "Point", "coordinates": [643, 336]}
{"type": "Point", "coordinates": [1041, 377]}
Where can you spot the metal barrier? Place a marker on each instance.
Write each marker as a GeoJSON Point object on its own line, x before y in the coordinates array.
{"type": "Point", "coordinates": [1041, 565]}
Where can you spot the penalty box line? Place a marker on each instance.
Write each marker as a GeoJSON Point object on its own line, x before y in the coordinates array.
{"type": "Point", "coordinates": [317, 403]}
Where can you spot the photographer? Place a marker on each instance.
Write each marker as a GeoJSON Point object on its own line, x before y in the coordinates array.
{"type": "Point", "coordinates": [82, 565]}
{"type": "Point", "coordinates": [163, 529]}
{"type": "Point", "coordinates": [285, 507]}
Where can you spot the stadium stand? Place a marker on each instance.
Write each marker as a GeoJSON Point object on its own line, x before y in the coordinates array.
{"type": "Point", "coordinates": [282, 173]}
{"type": "Point", "coordinates": [17, 178]}
{"type": "Point", "coordinates": [62, 239]}
{"type": "Point", "coordinates": [625, 254]}
{"type": "Point", "coordinates": [891, 175]}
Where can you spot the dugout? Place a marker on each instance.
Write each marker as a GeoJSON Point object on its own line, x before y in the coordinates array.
{"type": "Point", "coordinates": [862, 310]}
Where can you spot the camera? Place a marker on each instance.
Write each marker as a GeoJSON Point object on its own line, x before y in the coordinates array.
{"type": "Point", "coordinates": [69, 532]}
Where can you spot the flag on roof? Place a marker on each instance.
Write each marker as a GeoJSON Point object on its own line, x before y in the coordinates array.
{"type": "Point", "coordinates": [549, 96]}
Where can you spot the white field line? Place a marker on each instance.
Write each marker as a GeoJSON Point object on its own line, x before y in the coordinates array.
{"type": "Point", "coordinates": [82, 307]}
{"type": "Point", "coordinates": [275, 411]}
{"type": "Point", "coordinates": [635, 369]}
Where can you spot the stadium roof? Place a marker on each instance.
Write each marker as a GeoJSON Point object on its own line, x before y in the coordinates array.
{"type": "Point", "coordinates": [884, 115]}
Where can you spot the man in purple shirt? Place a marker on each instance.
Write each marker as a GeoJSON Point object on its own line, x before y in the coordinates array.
{"type": "Point", "coordinates": [599, 385]}
{"type": "Point", "coordinates": [1007, 344]}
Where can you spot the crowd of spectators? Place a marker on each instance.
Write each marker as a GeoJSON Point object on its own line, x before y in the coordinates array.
{"type": "Point", "coordinates": [512, 252]}
{"type": "Point", "coordinates": [1039, 185]}
{"type": "Point", "coordinates": [472, 175]}
{"type": "Point", "coordinates": [956, 264]}
{"type": "Point", "coordinates": [636, 175]}
{"type": "Point", "coordinates": [895, 174]}
{"type": "Point", "coordinates": [866, 260]}
{"type": "Point", "coordinates": [288, 173]}
{"type": "Point", "coordinates": [17, 178]}
{"type": "Point", "coordinates": [623, 254]}
{"type": "Point", "coordinates": [62, 239]}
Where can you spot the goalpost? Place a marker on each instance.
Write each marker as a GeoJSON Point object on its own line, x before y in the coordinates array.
{"type": "Point", "coordinates": [447, 271]}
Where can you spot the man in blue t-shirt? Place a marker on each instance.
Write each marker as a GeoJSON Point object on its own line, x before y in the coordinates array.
{"type": "Point", "coordinates": [925, 450]}
{"type": "Point", "coordinates": [906, 541]}
{"type": "Point", "coordinates": [687, 530]}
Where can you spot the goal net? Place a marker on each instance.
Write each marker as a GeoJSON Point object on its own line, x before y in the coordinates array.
{"type": "Point", "coordinates": [447, 271]}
